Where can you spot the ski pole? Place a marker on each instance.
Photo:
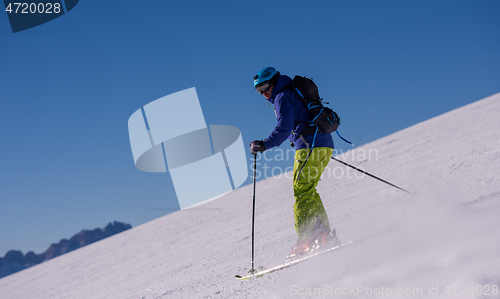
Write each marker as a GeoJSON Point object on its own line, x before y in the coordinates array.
{"type": "Point", "coordinates": [371, 175]}
{"type": "Point", "coordinates": [253, 211]}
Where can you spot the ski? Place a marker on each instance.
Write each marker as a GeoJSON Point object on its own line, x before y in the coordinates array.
{"type": "Point", "coordinates": [289, 264]}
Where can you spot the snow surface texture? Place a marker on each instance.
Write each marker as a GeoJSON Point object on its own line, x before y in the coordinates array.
{"type": "Point", "coordinates": [446, 234]}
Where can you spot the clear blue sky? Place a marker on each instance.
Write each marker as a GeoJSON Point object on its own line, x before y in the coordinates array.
{"type": "Point", "coordinates": [69, 86]}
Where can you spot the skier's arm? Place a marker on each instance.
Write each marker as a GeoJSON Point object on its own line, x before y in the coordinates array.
{"type": "Point", "coordinates": [286, 118]}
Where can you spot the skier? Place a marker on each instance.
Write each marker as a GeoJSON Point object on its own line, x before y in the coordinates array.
{"type": "Point", "coordinates": [311, 221]}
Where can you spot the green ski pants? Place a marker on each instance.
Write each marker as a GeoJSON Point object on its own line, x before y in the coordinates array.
{"type": "Point", "coordinates": [308, 207]}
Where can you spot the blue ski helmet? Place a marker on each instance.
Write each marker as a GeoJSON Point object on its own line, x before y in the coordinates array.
{"type": "Point", "coordinates": [265, 75]}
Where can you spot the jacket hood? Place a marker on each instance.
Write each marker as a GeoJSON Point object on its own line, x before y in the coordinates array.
{"type": "Point", "coordinates": [283, 81]}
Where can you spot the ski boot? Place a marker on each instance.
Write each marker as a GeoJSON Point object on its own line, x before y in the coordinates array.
{"type": "Point", "coordinates": [325, 240]}
{"type": "Point", "coordinates": [300, 249]}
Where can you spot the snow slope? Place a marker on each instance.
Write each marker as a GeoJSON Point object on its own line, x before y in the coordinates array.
{"type": "Point", "coordinates": [415, 245]}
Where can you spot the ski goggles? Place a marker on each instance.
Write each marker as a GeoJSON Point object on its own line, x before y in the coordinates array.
{"type": "Point", "coordinates": [263, 87]}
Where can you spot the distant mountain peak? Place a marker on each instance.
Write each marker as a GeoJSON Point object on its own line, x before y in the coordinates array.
{"type": "Point", "coordinates": [15, 261]}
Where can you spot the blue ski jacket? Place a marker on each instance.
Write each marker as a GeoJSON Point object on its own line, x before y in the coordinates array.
{"type": "Point", "coordinates": [292, 115]}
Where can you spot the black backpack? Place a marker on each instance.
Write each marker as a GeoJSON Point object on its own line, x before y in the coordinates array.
{"type": "Point", "coordinates": [322, 118]}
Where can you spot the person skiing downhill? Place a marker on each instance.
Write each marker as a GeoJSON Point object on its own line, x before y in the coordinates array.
{"type": "Point", "coordinates": [311, 220]}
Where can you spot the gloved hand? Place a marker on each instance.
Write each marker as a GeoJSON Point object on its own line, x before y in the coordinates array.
{"type": "Point", "coordinates": [257, 146]}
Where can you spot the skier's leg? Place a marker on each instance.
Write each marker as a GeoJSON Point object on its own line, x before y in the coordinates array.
{"type": "Point", "coordinates": [308, 207]}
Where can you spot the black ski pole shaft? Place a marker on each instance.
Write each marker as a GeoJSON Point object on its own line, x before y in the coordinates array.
{"type": "Point", "coordinates": [253, 210]}
{"type": "Point", "coordinates": [371, 175]}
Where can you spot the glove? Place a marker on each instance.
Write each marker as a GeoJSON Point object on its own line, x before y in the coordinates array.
{"type": "Point", "coordinates": [257, 146]}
